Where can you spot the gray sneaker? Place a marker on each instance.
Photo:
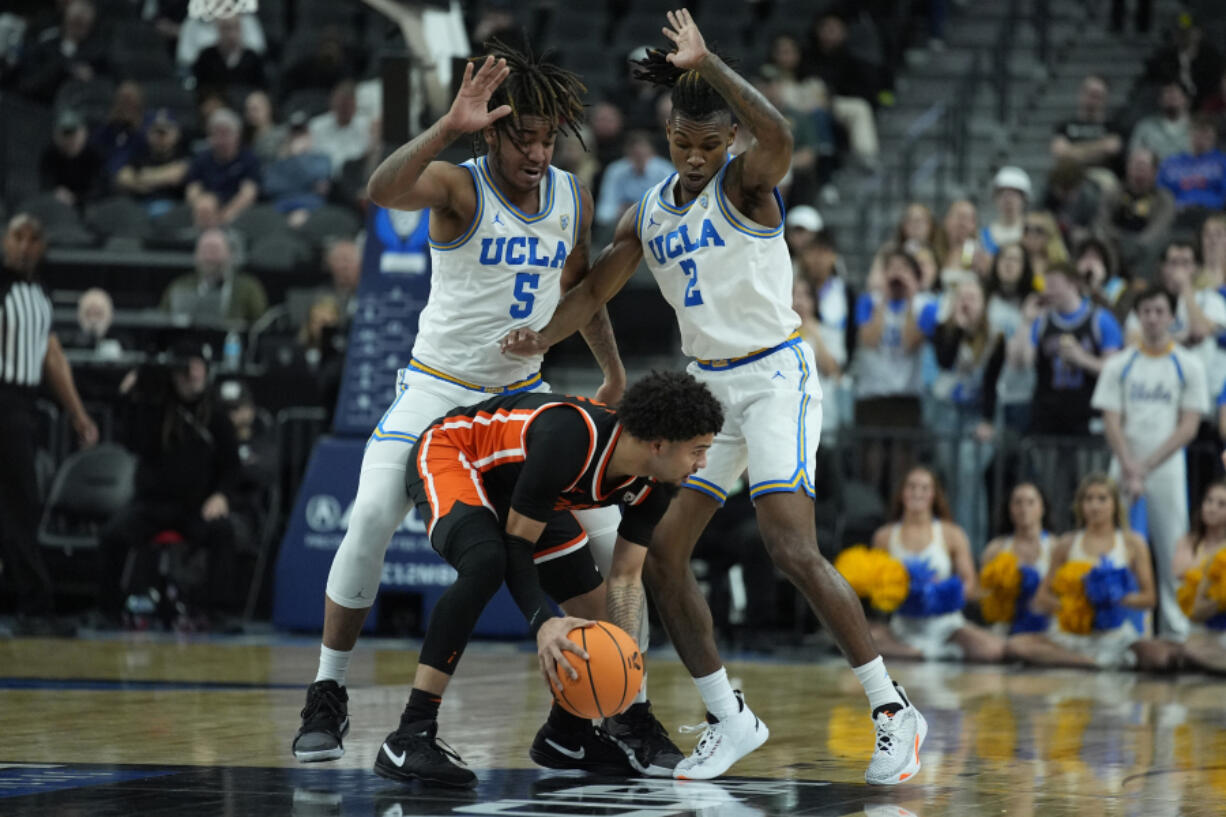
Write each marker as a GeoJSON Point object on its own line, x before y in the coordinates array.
{"type": "Point", "coordinates": [900, 734]}
{"type": "Point", "coordinates": [644, 740]}
{"type": "Point", "coordinates": [325, 722]}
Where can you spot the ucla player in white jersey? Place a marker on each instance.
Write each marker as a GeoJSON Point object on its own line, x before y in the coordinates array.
{"type": "Point", "coordinates": [712, 235]}
{"type": "Point", "coordinates": [507, 233]}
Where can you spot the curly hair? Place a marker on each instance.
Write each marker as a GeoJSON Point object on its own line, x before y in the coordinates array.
{"type": "Point", "coordinates": [693, 97]}
{"type": "Point", "coordinates": [670, 406]}
{"type": "Point", "coordinates": [537, 88]}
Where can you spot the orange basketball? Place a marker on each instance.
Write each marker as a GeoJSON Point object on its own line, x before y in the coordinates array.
{"type": "Point", "coordinates": [608, 680]}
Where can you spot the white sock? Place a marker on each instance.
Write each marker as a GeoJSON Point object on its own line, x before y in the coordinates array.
{"type": "Point", "coordinates": [877, 683]}
{"type": "Point", "coordinates": [641, 698]}
{"type": "Point", "coordinates": [333, 664]}
{"type": "Point", "coordinates": [717, 694]}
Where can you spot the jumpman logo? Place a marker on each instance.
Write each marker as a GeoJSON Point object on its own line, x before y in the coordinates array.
{"type": "Point", "coordinates": [651, 221]}
{"type": "Point", "coordinates": [778, 374]}
{"type": "Point", "coordinates": [497, 219]}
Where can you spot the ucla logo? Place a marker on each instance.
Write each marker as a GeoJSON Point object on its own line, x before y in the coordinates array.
{"type": "Point", "coordinates": [565, 222]}
{"type": "Point", "coordinates": [521, 251]}
{"type": "Point", "coordinates": [702, 201]}
{"type": "Point", "coordinates": [678, 241]}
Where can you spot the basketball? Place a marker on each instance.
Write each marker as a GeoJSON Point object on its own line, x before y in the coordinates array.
{"type": "Point", "coordinates": [610, 677]}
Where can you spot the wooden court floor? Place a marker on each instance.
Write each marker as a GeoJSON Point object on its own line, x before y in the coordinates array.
{"type": "Point", "coordinates": [148, 726]}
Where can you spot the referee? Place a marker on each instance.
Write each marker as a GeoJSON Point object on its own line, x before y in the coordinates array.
{"type": "Point", "coordinates": [29, 355]}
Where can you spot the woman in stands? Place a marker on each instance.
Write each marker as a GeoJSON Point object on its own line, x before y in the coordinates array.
{"type": "Point", "coordinates": [1102, 536]}
{"type": "Point", "coordinates": [916, 230]}
{"type": "Point", "coordinates": [1029, 542]}
{"type": "Point", "coordinates": [1195, 554]}
{"type": "Point", "coordinates": [923, 537]}
{"type": "Point", "coordinates": [1013, 304]}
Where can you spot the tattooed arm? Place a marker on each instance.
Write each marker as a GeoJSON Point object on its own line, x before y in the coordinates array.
{"type": "Point", "coordinates": [627, 607]}
{"type": "Point", "coordinates": [598, 332]}
{"type": "Point", "coordinates": [410, 180]}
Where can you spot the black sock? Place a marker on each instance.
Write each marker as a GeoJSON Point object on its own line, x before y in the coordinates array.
{"type": "Point", "coordinates": [562, 719]}
{"type": "Point", "coordinates": [423, 706]}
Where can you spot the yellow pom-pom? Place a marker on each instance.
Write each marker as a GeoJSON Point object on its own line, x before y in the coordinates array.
{"type": "Point", "coordinates": [997, 609]}
{"type": "Point", "coordinates": [1002, 576]}
{"type": "Point", "coordinates": [1217, 578]}
{"type": "Point", "coordinates": [892, 584]}
{"type": "Point", "coordinates": [1186, 594]}
{"type": "Point", "coordinates": [856, 565]}
{"type": "Point", "coordinates": [1069, 579]}
{"type": "Point", "coordinates": [1076, 614]}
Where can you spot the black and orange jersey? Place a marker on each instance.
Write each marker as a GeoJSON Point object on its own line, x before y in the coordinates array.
{"type": "Point", "coordinates": [537, 454]}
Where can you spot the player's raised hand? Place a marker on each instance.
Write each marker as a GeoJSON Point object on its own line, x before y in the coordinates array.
{"type": "Point", "coordinates": [524, 343]}
{"type": "Point", "coordinates": [468, 112]}
{"type": "Point", "coordinates": [691, 47]}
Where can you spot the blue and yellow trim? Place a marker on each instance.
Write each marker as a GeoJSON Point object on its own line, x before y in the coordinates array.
{"type": "Point", "coordinates": [732, 362]}
{"type": "Point", "coordinates": [739, 225]}
{"type": "Point", "coordinates": [483, 165]}
{"type": "Point", "coordinates": [676, 211]}
{"type": "Point", "coordinates": [527, 384]}
{"type": "Point", "coordinates": [472, 228]}
{"type": "Point", "coordinates": [798, 482]}
{"type": "Point", "coordinates": [642, 212]}
{"type": "Point", "coordinates": [705, 487]}
{"type": "Point", "coordinates": [381, 434]}
{"type": "Point", "coordinates": [574, 194]}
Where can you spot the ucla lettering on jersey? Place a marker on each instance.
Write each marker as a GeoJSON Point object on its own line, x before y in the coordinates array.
{"type": "Point", "coordinates": [502, 273]}
{"type": "Point", "coordinates": [728, 279]}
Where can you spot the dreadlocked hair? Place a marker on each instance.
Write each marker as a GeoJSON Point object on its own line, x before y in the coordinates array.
{"type": "Point", "coordinates": [692, 95]}
{"type": "Point", "coordinates": [537, 88]}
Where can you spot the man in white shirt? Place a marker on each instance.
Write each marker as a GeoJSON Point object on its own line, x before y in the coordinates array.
{"type": "Point", "coordinates": [1152, 397]}
{"type": "Point", "coordinates": [342, 133]}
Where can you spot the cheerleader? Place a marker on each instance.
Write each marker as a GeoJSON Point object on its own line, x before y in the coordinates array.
{"type": "Point", "coordinates": [1102, 534]}
{"type": "Point", "coordinates": [924, 533]}
{"type": "Point", "coordinates": [1194, 556]}
{"type": "Point", "coordinates": [1029, 542]}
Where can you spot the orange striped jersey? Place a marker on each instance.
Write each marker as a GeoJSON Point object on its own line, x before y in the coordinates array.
{"type": "Point", "coordinates": [537, 454]}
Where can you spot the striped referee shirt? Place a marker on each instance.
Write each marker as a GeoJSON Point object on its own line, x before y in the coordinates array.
{"type": "Point", "coordinates": [25, 325]}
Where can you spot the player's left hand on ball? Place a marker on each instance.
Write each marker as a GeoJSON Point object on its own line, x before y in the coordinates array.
{"type": "Point", "coordinates": [551, 643]}
{"type": "Point", "coordinates": [524, 342]}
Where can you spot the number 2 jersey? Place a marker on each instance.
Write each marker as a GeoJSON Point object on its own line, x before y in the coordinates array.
{"type": "Point", "coordinates": [502, 273]}
{"type": "Point", "coordinates": [728, 279]}
{"type": "Point", "coordinates": [534, 453]}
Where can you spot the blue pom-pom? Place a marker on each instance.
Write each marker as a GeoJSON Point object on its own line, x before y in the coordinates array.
{"type": "Point", "coordinates": [928, 597]}
{"type": "Point", "coordinates": [945, 596]}
{"type": "Point", "coordinates": [1109, 616]}
{"type": "Point", "coordinates": [1030, 582]}
{"type": "Point", "coordinates": [1108, 585]}
{"type": "Point", "coordinates": [1028, 622]}
{"type": "Point", "coordinates": [1218, 622]}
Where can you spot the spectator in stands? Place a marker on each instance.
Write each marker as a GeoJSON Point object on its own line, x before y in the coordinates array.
{"type": "Point", "coordinates": [1043, 242]}
{"type": "Point", "coordinates": [349, 188]}
{"type": "Point", "coordinates": [1013, 305]}
{"type": "Point", "coordinates": [1165, 133]}
{"type": "Point", "coordinates": [258, 466]}
{"type": "Point", "coordinates": [1102, 534]}
{"type": "Point", "coordinates": [186, 474]}
{"type": "Point", "coordinates": [1090, 140]}
{"type": "Point", "coordinates": [216, 292]}
{"type": "Point", "coordinates": [314, 337]}
{"type": "Point", "coordinates": [226, 176]}
{"type": "Point", "coordinates": [228, 63]}
{"type": "Point", "coordinates": [957, 243]}
{"type": "Point", "coordinates": [1011, 193]}
{"type": "Point", "coordinates": [300, 178]}
{"type": "Point", "coordinates": [95, 314]}
{"type": "Point", "coordinates": [916, 230]}
{"type": "Point", "coordinates": [800, 225]}
{"type": "Point", "coordinates": [1068, 346]}
{"type": "Point", "coordinates": [1195, 63]}
{"type": "Point", "coordinates": [853, 85]}
{"type": "Point", "coordinates": [1137, 218]}
{"type": "Point", "coordinates": [332, 62]}
{"type": "Point", "coordinates": [1073, 199]}
{"type": "Point", "coordinates": [1152, 399]}
{"type": "Point", "coordinates": [627, 179]}
{"type": "Point", "coordinates": [122, 136]}
{"type": "Point", "coordinates": [607, 133]}
{"type": "Point", "coordinates": [343, 263]}
{"type": "Point", "coordinates": [167, 17]}
{"type": "Point", "coordinates": [923, 530]}
{"type": "Point", "coordinates": [70, 167]}
{"type": "Point", "coordinates": [261, 133]}
{"type": "Point", "coordinates": [1099, 273]}
{"type": "Point", "coordinates": [571, 156]}
{"type": "Point", "coordinates": [1198, 316]}
{"type": "Point", "coordinates": [1213, 252]}
{"type": "Point", "coordinates": [824, 301]}
{"type": "Point", "coordinates": [157, 174]}
{"type": "Point", "coordinates": [74, 50]}
{"type": "Point", "coordinates": [195, 35]}
{"type": "Point", "coordinates": [342, 133]}
{"type": "Point", "coordinates": [1197, 179]}
{"type": "Point", "coordinates": [25, 326]}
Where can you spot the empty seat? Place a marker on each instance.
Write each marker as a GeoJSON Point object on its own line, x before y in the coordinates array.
{"type": "Point", "coordinates": [118, 217]}
{"type": "Point", "coordinates": [278, 252]}
{"type": "Point", "coordinates": [89, 488]}
{"type": "Point", "coordinates": [329, 222]}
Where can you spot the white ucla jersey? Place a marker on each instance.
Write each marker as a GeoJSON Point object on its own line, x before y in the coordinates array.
{"type": "Point", "coordinates": [728, 279]}
{"type": "Point", "coordinates": [503, 273]}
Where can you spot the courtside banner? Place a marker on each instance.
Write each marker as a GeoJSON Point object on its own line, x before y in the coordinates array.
{"type": "Point", "coordinates": [391, 294]}
{"type": "Point", "coordinates": [314, 532]}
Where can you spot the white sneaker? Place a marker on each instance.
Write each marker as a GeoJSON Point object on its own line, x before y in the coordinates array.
{"type": "Point", "coordinates": [899, 738]}
{"type": "Point", "coordinates": [722, 743]}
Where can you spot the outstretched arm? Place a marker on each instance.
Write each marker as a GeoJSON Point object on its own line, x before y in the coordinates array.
{"type": "Point", "coordinates": [597, 332]}
{"type": "Point", "coordinates": [409, 179]}
{"type": "Point", "coordinates": [609, 273]}
{"type": "Point", "coordinates": [762, 166]}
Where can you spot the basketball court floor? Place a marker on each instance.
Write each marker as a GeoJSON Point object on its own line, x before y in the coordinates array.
{"type": "Point", "coordinates": [140, 725]}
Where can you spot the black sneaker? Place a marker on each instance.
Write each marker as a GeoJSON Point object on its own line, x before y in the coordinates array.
{"type": "Point", "coordinates": [644, 740]}
{"type": "Point", "coordinates": [325, 720]}
{"type": "Point", "coordinates": [582, 746]}
{"type": "Point", "coordinates": [414, 752]}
